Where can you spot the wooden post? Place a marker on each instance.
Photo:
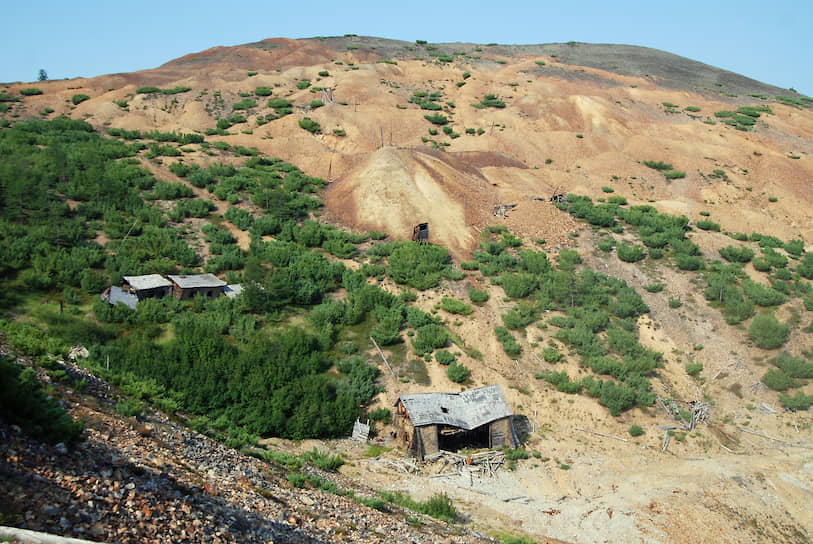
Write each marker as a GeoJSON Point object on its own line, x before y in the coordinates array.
{"type": "Point", "coordinates": [384, 358]}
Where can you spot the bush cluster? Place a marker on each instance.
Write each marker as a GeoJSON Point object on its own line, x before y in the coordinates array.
{"type": "Point", "coordinates": [23, 402]}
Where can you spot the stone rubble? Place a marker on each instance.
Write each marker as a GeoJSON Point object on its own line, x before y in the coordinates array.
{"type": "Point", "coordinates": [152, 479]}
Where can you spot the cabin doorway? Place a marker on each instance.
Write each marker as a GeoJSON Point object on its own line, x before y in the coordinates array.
{"type": "Point", "coordinates": [454, 438]}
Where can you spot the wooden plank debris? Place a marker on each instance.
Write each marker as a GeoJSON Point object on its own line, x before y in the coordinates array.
{"type": "Point", "coordinates": [541, 362]}
{"type": "Point", "coordinates": [602, 434]}
{"type": "Point", "coordinates": [361, 431]}
{"type": "Point", "coordinates": [786, 443]}
{"type": "Point", "coordinates": [483, 463]}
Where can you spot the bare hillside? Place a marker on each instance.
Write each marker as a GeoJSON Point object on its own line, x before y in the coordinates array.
{"type": "Point", "coordinates": [472, 138]}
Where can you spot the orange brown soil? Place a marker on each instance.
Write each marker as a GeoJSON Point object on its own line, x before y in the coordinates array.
{"type": "Point", "coordinates": [570, 128]}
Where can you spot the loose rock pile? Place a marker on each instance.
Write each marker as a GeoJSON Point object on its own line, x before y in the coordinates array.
{"type": "Point", "coordinates": [152, 479]}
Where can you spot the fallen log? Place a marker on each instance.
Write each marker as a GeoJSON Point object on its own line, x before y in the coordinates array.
{"type": "Point", "coordinates": [792, 444]}
{"type": "Point", "coordinates": [24, 536]}
{"type": "Point", "coordinates": [602, 434]}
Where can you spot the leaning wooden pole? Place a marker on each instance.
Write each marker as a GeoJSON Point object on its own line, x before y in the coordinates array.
{"type": "Point", "coordinates": [384, 358]}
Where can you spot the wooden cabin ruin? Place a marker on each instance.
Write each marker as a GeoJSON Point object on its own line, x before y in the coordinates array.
{"type": "Point", "coordinates": [183, 287]}
{"type": "Point", "coordinates": [426, 423]}
{"type": "Point", "coordinates": [420, 233]}
{"type": "Point", "coordinates": [205, 285]}
{"type": "Point", "coordinates": [147, 286]}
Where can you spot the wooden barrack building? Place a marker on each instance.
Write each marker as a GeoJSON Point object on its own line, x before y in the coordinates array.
{"type": "Point", "coordinates": [426, 423]}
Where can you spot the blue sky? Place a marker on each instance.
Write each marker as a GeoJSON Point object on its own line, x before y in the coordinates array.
{"type": "Point", "coordinates": [770, 43]}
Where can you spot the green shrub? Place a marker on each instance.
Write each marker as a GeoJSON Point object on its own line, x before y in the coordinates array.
{"type": "Point", "coordinates": [79, 98]}
{"type": "Point", "coordinates": [617, 397]}
{"type": "Point", "coordinates": [458, 373]}
{"type": "Point", "coordinates": [454, 306]}
{"type": "Point", "coordinates": [607, 189]}
{"type": "Point", "coordinates": [297, 479]}
{"type": "Point", "coordinates": [263, 91]}
{"type": "Point", "coordinates": [658, 165]}
{"type": "Point", "coordinates": [490, 101]}
{"type": "Point", "coordinates": [736, 254]}
{"type": "Point", "coordinates": [675, 303]}
{"type": "Point", "coordinates": [478, 296]}
{"type": "Point", "coordinates": [130, 407]}
{"type": "Point", "coordinates": [244, 104]}
{"type": "Point", "coordinates": [762, 264]}
{"type": "Point", "coordinates": [439, 506]}
{"type": "Point", "coordinates": [516, 454]}
{"type": "Point", "coordinates": [437, 119]}
{"type": "Point", "coordinates": [694, 369]}
{"type": "Point", "coordinates": [606, 244]}
{"type": "Point", "coordinates": [23, 402]}
{"type": "Point", "coordinates": [675, 174]}
{"type": "Point", "coordinates": [323, 460]}
{"type": "Point", "coordinates": [429, 338]}
{"type": "Point", "coordinates": [509, 343]}
{"type": "Point", "coordinates": [777, 380]}
{"type": "Point", "coordinates": [688, 262]}
{"type": "Point", "coordinates": [762, 295]}
{"type": "Point", "coordinates": [148, 90]}
{"type": "Point", "coordinates": [444, 357]}
{"type": "Point", "coordinates": [636, 430]}
{"type": "Point", "coordinates": [708, 225]}
{"type": "Point", "coordinates": [176, 90]}
{"type": "Point", "coordinates": [279, 103]}
{"type": "Point", "coordinates": [795, 367]}
{"type": "Point", "coordinates": [324, 73]}
{"type": "Point", "coordinates": [767, 332]}
{"type": "Point", "coordinates": [316, 104]}
{"type": "Point", "coordinates": [654, 287]}
{"type": "Point", "coordinates": [794, 247]}
{"type": "Point", "coordinates": [562, 381]}
{"type": "Point", "coordinates": [303, 84]}
{"type": "Point", "coordinates": [418, 265]}
{"type": "Point", "coordinates": [518, 318]}
{"type": "Point", "coordinates": [799, 402]}
{"type": "Point", "coordinates": [551, 355]}
{"type": "Point", "coordinates": [518, 285]}
{"type": "Point", "coordinates": [383, 415]}
{"type": "Point", "coordinates": [629, 253]}
{"type": "Point", "coordinates": [310, 125]}
{"type": "Point", "coordinates": [31, 91]}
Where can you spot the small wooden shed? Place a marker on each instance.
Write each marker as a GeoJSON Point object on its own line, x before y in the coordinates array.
{"type": "Point", "coordinates": [426, 423]}
{"type": "Point", "coordinates": [147, 286]}
{"type": "Point", "coordinates": [205, 285]}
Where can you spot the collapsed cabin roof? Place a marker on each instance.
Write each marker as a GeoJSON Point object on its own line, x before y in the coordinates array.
{"type": "Point", "coordinates": [147, 281]}
{"type": "Point", "coordinates": [197, 281]}
{"type": "Point", "coordinates": [117, 294]}
{"type": "Point", "coordinates": [466, 410]}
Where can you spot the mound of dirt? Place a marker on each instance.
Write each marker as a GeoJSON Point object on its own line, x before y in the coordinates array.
{"type": "Point", "coordinates": [394, 189]}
